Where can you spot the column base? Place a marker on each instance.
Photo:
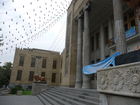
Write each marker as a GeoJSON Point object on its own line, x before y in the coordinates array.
{"type": "Point", "coordinates": [86, 82]}
{"type": "Point", "coordinates": [78, 84]}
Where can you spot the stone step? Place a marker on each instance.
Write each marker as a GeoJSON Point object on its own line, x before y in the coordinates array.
{"type": "Point", "coordinates": [43, 101]}
{"type": "Point", "coordinates": [61, 102]}
{"type": "Point", "coordinates": [70, 101]}
{"type": "Point", "coordinates": [78, 89]}
{"type": "Point", "coordinates": [84, 101]}
{"type": "Point", "coordinates": [87, 92]}
{"type": "Point", "coordinates": [92, 94]}
{"type": "Point", "coordinates": [82, 96]}
{"type": "Point", "coordinates": [49, 100]}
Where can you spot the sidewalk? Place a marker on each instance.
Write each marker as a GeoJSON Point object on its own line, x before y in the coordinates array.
{"type": "Point", "coordinates": [19, 100]}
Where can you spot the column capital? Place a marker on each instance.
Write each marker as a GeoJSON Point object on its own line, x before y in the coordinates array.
{"type": "Point", "coordinates": [87, 6]}
{"type": "Point", "coordinates": [79, 16]}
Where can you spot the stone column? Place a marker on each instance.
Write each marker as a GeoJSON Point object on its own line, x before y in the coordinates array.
{"type": "Point", "coordinates": [110, 29]}
{"type": "Point", "coordinates": [78, 83]}
{"type": "Point", "coordinates": [102, 43]}
{"type": "Point", "coordinates": [138, 18]}
{"type": "Point", "coordinates": [86, 47]}
{"type": "Point", "coordinates": [119, 26]}
{"type": "Point", "coordinates": [111, 34]}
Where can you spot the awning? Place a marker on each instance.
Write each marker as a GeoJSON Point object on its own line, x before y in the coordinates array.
{"type": "Point", "coordinates": [110, 61]}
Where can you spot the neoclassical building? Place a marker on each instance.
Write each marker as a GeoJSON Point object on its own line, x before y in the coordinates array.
{"type": "Point", "coordinates": [30, 62]}
{"type": "Point", "coordinates": [95, 30]}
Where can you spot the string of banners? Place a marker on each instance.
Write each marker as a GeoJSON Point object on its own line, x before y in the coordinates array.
{"type": "Point", "coordinates": [24, 21]}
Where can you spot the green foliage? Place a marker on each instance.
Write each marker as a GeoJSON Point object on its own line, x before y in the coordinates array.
{"type": "Point", "coordinates": [5, 72]}
{"type": "Point", "coordinates": [13, 91]}
{"type": "Point", "coordinates": [17, 88]}
{"type": "Point", "coordinates": [27, 93]}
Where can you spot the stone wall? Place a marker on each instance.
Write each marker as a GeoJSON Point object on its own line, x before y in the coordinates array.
{"type": "Point", "coordinates": [38, 87]}
{"type": "Point", "coordinates": [64, 76]}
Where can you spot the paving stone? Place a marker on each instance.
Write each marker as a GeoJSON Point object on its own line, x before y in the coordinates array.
{"type": "Point", "coordinates": [19, 100]}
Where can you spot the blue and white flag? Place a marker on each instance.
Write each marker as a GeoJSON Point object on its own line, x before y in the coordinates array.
{"type": "Point", "coordinates": [110, 61]}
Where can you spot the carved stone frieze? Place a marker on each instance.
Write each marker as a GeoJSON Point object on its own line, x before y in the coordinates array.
{"type": "Point", "coordinates": [117, 80]}
{"type": "Point", "coordinates": [103, 80]}
{"type": "Point", "coordinates": [121, 80]}
{"type": "Point", "coordinates": [133, 79]}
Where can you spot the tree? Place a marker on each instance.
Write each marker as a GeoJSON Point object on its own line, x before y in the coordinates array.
{"type": "Point", "coordinates": [5, 72]}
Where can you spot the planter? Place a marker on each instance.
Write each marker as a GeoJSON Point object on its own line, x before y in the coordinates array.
{"type": "Point", "coordinates": [38, 87]}
{"type": "Point", "coordinates": [19, 92]}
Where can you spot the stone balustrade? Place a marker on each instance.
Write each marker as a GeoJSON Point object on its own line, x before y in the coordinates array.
{"type": "Point", "coordinates": [121, 80]}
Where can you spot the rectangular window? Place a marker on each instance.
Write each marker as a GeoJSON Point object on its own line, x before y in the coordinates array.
{"type": "Point", "coordinates": [92, 43]}
{"type": "Point", "coordinates": [97, 40]}
{"type": "Point", "coordinates": [94, 77]}
{"type": "Point", "coordinates": [31, 76]}
{"type": "Point", "coordinates": [129, 19]}
{"type": "Point", "coordinates": [60, 77]}
{"type": "Point", "coordinates": [107, 56]}
{"type": "Point", "coordinates": [53, 77]}
{"type": "Point", "coordinates": [106, 35]}
{"type": "Point", "coordinates": [21, 60]}
{"type": "Point", "coordinates": [19, 75]}
{"type": "Point", "coordinates": [33, 61]}
{"type": "Point", "coordinates": [97, 60]}
{"type": "Point", "coordinates": [61, 62]}
{"type": "Point", "coordinates": [92, 62]}
{"type": "Point", "coordinates": [43, 74]}
{"type": "Point", "coordinates": [44, 61]}
{"type": "Point", "coordinates": [54, 64]}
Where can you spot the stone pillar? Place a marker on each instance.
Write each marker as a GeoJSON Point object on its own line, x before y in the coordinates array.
{"type": "Point", "coordinates": [111, 34]}
{"type": "Point", "coordinates": [110, 29]}
{"type": "Point", "coordinates": [102, 43]}
{"type": "Point", "coordinates": [119, 26]}
{"type": "Point", "coordinates": [103, 99]}
{"type": "Point", "coordinates": [86, 47]}
{"type": "Point", "coordinates": [138, 19]}
{"type": "Point", "coordinates": [79, 55]}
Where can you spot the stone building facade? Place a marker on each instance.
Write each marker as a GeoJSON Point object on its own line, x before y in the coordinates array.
{"type": "Point", "coordinates": [95, 30]}
{"type": "Point", "coordinates": [30, 62]}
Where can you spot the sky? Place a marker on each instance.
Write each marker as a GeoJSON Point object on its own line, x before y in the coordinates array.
{"type": "Point", "coordinates": [32, 24]}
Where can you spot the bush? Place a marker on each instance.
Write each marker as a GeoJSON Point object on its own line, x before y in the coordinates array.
{"type": "Point", "coordinates": [17, 88]}
{"type": "Point", "coordinates": [13, 91]}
